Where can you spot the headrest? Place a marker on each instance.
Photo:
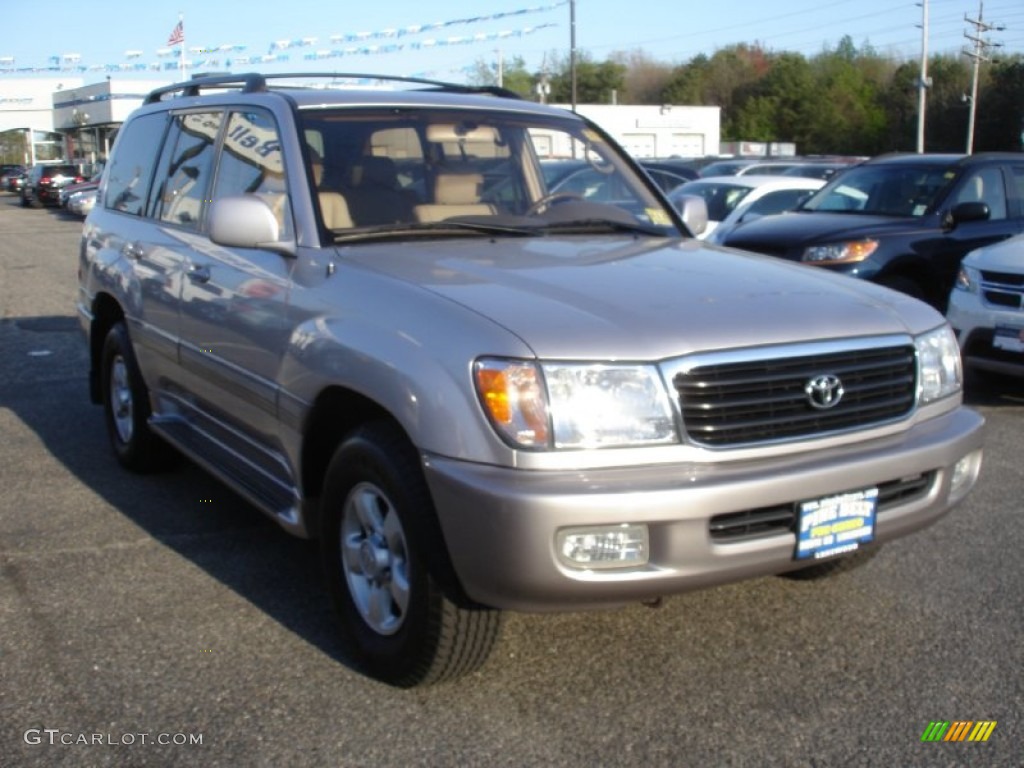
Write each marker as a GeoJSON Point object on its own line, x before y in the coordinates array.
{"type": "Point", "coordinates": [375, 170]}
{"type": "Point", "coordinates": [457, 188]}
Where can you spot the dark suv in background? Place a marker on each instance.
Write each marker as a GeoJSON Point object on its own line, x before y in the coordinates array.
{"type": "Point", "coordinates": [7, 172]}
{"type": "Point", "coordinates": [902, 220]}
{"type": "Point", "coordinates": [43, 184]}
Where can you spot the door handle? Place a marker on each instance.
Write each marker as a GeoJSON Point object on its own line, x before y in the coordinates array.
{"type": "Point", "coordinates": [199, 273]}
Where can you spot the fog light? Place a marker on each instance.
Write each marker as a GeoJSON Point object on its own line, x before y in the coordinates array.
{"type": "Point", "coordinates": [604, 546]}
{"type": "Point", "coordinates": [965, 472]}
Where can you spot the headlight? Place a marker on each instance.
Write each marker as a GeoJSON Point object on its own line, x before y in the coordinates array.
{"type": "Point", "coordinates": [564, 405]}
{"type": "Point", "coordinates": [856, 250]}
{"type": "Point", "coordinates": [966, 280]}
{"type": "Point", "coordinates": [939, 370]}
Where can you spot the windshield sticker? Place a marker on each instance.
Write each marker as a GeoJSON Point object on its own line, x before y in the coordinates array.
{"type": "Point", "coordinates": [658, 216]}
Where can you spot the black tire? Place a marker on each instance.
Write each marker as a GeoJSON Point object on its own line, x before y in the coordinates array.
{"type": "Point", "coordinates": [384, 563]}
{"type": "Point", "coordinates": [829, 568]}
{"type": "Point", "coordinates": [126, 407]}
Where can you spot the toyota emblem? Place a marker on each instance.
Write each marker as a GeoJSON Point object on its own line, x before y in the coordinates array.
{"type": "Point", "coordinates": [824, 391]}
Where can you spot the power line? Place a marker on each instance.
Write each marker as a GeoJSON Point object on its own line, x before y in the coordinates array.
{"type": "Point", "coordinates": [979, 53]}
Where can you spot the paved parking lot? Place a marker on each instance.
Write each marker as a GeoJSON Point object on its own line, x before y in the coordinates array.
{"type": "Point", "coordinates": [162, 621]}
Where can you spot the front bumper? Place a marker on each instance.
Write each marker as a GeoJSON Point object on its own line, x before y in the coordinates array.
{"type": "Point", "coordinates": [500, 523]}
{"type": "Point", "coordinates": [975, 324]}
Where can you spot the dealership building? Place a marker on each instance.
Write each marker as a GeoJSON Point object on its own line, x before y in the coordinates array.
{"type": "Point", "coordinates": [62, 119]}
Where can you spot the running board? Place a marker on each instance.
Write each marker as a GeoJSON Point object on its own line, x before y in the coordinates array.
{"type": "Point", "coordinates": [272, 496]}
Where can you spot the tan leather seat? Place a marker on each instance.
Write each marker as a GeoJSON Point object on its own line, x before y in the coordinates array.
{"type": "Point", "coordinates": [333, 206]}
{"type": "Point", "coordinates": [334, 209]}
{"type": "Point", "coordinates": [455, 194]}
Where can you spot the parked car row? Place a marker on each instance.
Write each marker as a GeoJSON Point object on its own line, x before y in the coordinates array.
{"type": "Point", "coordinates": [815, 168]}
{"type": "Point", "coordinates": [43, 183]}
{"type": "Point", "coordinates": [51, 184]}
{"type": "Point", "coordinates": [947, 229]}
{"type": "Point", "coordinates": [904, 221]}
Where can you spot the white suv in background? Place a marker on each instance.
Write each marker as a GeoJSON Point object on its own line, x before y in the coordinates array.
{"type": "Point", "coordinates": [986, 307]}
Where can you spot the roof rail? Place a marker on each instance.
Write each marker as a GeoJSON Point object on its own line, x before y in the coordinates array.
{"type": "Point", "coordinates": [254, 82]}
{"type": "Point", "coordinates": [250, 82]}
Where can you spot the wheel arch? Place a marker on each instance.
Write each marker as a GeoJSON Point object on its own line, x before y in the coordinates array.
{"type": "Point", "coordinates": [106, 311]}
{"type": "Point", "coordinates": [910, 275]}
{"type": "Point", "coordinates": [336, 413]}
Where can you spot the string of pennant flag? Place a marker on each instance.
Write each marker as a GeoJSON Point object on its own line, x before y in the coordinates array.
{"type": "Point", "coordinates": [393, 40]}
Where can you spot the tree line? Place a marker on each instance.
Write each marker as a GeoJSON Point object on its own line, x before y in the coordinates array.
{"type": "Point", "coordinates": [845, 100]}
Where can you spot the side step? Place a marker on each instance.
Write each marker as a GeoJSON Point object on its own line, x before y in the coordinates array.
{"type": "Point", "coordinates": [271, 494]}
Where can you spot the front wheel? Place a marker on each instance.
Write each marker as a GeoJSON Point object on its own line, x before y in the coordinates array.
{"type": "Point", "coordinates": [384, 562]}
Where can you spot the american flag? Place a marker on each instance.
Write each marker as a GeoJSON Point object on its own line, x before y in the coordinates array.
{"type": "Point", "coordinates": [177, 34]}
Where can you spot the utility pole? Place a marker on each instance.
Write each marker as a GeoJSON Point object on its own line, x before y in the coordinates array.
{"type": "Point", "coordinates": [978, 54]}
{"type": "Point", "coordinates": [924, 83]}
{"type": "Point", "coordinates": [572, 50]}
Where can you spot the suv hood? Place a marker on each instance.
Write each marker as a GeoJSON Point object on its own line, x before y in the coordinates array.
{"type": "Point", "coordinates": [1004, 256]}
{"type": "Point", "coordinates": [789, 233]}
{"type": "Point", "coordinates": [641, 299]}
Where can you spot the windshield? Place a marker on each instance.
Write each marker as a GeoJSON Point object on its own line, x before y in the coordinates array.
{"type": "Point", "coordinates": [415, 169]}
{"type": "Point", "coordinates": [885, 190]}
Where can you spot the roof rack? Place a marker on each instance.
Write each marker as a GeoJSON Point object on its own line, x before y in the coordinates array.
{"type": "Point", "coordinates": [254, 82]}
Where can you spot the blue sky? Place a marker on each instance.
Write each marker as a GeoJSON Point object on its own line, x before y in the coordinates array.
{"type": "Point", "coordinates": [98, 35]}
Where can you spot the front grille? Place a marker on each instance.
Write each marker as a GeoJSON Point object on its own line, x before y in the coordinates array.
{"type": "Point", "coordinates": [1003, 289]}
{"type": "Point", "coordinates": [764, 400]}
{"type": "Point", "coordinates": [781, 518]}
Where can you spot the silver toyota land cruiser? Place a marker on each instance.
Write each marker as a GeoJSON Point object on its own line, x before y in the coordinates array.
{"type": "Point", "coordinates": [371, 309]}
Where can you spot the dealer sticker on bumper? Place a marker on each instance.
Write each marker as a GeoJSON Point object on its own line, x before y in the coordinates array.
{"type": "Point", "coordinates": [1009, 338]}
{"type": "Point", "coordinates": [835, 525]}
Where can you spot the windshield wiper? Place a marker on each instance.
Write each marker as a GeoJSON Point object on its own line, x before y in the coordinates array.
{"type": "Point", "coordinates": [428, 229]}
{"type": "Point", "coordinates": [604, 225]}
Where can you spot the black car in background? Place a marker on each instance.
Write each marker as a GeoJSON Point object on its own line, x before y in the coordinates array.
{"type": "Point", "coordinates": [43, 183]}
{"type": "Point", "coordinates": [901, 220]}
{"type": "Point", "coordinates": [9, 171]}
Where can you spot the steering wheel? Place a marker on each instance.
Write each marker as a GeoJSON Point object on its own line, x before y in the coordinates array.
{"type": "Point", "coordinates": [549, 200]}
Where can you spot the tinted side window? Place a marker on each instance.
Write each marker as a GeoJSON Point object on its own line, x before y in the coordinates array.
{"type": "Point", "coordinates": [251, 163]}
{"type": "Point", "coordinates": [1017, 180]}
{"type": "Point", "coordinates": [777, 202]}
{"type": "Point", "coordinates": [131, 167]}
{"type": "Point", "coordinates": [187, 168]}
{"type": "Point", "coordinates": [985, 186]}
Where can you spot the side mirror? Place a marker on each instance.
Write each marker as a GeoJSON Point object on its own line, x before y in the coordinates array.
{"type": "Point", "coordinates": [694, 212]}
{"type": "Point", "coordinates": [964, 212]}
{"type": "Point", "coordinates": [246, 221]}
